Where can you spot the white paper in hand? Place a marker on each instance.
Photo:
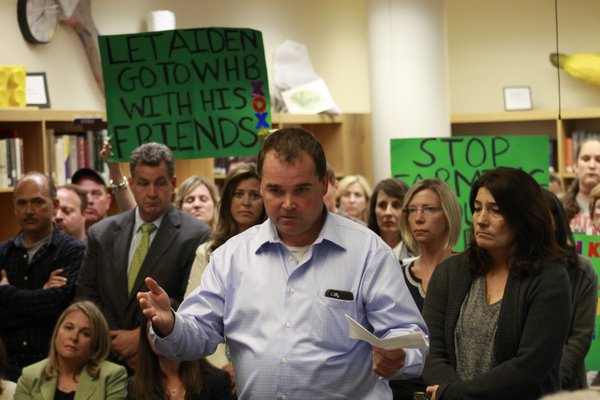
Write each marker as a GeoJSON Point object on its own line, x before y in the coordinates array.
{"type": "Point", "coordinates": [409, 341]}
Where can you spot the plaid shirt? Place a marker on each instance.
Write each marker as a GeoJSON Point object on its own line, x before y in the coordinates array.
{"type": "Point", "coordinates": [28, 312]}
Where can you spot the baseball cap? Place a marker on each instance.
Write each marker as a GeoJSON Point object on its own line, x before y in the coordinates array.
{"type": "Point", "coordinates": [87, 173]}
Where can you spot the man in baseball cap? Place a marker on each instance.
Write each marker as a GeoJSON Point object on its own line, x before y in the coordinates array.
{"type": "Point", "coordinates": [97, 193]}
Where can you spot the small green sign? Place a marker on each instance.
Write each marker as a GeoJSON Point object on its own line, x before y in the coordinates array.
{"type": "Point", "coordinates": [459, 161]}
{"type": "Point", "coordinates": [589, 246]}
{"type": "Point", "coordinates": [202, 92]}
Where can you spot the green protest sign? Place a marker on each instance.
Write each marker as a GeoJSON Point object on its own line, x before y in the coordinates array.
{"type": "Point", "coordinates": [459, 161]}
{"type": "Point", "coordinates": [589, 246]}
{"type": "Point", "coordinates": [202, 92]}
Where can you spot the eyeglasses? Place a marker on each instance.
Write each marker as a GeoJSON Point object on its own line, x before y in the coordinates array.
{"type": "Point", "coordinates": [427, 210]}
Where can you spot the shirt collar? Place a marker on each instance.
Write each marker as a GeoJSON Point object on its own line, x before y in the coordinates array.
{"type": "Point", "coordinates": [330, 232]}
{"type": "Point", "coordinates": [139, 221]}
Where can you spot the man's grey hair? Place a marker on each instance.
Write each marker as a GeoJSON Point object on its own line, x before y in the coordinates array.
{"type": "Point", "coordinates": [152, 154]}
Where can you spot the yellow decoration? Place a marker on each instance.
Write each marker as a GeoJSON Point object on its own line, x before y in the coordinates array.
{"type": "Point", "coordinates": [583, 66]}
{"type": "Point", "coordinates": [12, 86]}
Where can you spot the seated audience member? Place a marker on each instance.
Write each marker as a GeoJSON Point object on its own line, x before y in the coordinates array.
{"type": "Point", "coordinates": [499, 313]}
{"type": "Point", "coordinates": [385, 209]}
{"type": "Point", "coordinates": [157, 377]}
{"type": "Point", "coordinates": [353, 194]}
{"type": "Point", "coordinates": [7, 388]}
{"type": "Point", "coordinates": [587, 175]}
{"type": "Point", "coordinates": [70, 216]}
{"type": "Point", "coordinates": [330, 197]}
{"type": "Point", "coordinates": [584, 299]}
{"type": "Point", "coordinates": [154, 239]}
{"type": "Point", "coordinates": [76, 367]}
{"type": "Point", "coordinates": [430, 225]}
{"type": "Point", "coordinates": [198, 197]}
{"type": "Point", "coordinates": [594, 209]}
{"type": "Point", "coordinates": [99, 198]}
{"type": "Point", "coordinates": [28, 261]}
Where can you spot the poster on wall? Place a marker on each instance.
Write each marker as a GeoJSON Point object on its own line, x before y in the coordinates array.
{"type": "Point", "coordinates": [459, 161]}
{"type": "Point", "coordinates": [202, 92]}
{"type": "Point", "coordinates": [589, 246]}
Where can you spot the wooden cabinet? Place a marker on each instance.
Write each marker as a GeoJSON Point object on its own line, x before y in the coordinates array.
{"type": "Point", "coordinates": [547, 123]}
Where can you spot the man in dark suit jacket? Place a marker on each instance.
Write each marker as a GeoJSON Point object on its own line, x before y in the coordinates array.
{"type": "Point", "coordinates": [107, 276]}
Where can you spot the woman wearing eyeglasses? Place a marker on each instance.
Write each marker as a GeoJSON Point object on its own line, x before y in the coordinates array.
{"type": "Point", "coordinates": [430, 226]}
{"type": "Point", "coordinates": [499, 313]}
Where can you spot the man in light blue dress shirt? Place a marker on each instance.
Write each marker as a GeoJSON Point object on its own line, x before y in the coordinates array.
{"type": "Point", "coordinates": [278, 293]}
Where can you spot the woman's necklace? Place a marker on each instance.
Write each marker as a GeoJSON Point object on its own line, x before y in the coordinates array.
{"type": "Point", "coordinates": [176, 392]}
{"type": "Point", "coordinates": [67, 384]}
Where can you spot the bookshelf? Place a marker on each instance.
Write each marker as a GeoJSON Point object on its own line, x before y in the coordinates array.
{"type": "Point", "coordinates": [559, 130]}
{"type": "Point", "coordinates": [35, 127]}
{"type": "Point", "coordinates": [345, 138]}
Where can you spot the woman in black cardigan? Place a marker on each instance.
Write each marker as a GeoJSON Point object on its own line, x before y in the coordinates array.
{"type": "Point", "coordinates": [499, 313]}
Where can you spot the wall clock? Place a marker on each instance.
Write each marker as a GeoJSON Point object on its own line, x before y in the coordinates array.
{"type": "Point", "coordinates": [38, 20]}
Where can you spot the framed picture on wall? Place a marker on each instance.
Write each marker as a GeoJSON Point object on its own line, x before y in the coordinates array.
{"type": "Point", "coordinates": [36, 90]}
{"type": "Point", "coordinates": [517, 98]}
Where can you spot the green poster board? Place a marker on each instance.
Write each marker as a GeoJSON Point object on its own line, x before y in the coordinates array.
{"type": "Point", "coordinates": [202, 92]}
{"type": "Point", "coordinates": [459, 161]}
{"type": "Point", "coordinates": [589, 246]}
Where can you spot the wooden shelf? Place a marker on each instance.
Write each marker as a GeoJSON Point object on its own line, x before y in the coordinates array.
{"type": "Point", "coordinates": [345, 138]}
{"type": "Point", "coordinates": [543, 122]}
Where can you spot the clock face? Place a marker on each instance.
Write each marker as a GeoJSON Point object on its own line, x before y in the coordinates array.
{"type": "Point", "coordinates": [38, 19]}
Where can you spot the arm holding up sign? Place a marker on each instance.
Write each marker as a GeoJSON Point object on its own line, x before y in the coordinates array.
{"type": "Point", "coordinates": [118, 182]}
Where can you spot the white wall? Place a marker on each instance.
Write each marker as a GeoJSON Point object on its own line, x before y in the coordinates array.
{"type": "Point", "coordinates": [491, 44]}
{"type": "Point", "coordinates": [335, 32]}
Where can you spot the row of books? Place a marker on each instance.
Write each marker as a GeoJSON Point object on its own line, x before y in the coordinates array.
{"type": "Point", "coordinates": [70, 151]}
{"type": "Point", "coordinates": [11, 161]}
{"type": "Point", "coordinates": [572, 144]}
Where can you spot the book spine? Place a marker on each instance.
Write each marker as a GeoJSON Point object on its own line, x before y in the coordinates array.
{"type": "Point", "coordinates": [3, 164]}
{"type": "Point", "coordinates": [59, 150]}
{"type": "Point", "coordinates": [74, 154]}
{"type": "Point", "coordinates": [19, 161]}
{"type": "Point", "coordinates": [81, 153]}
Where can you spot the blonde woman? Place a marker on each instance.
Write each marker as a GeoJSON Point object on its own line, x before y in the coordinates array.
{"type": "Point", "coordinates": [430, 225]}
{"type": "Point", "coordinates": [76, 367]}
{"type": "Point", "coordinates": [594, 209]}
{"type": "Point", "coordinates": [198, 197]}
{"type": "Point", "coordinates": [354, 193]}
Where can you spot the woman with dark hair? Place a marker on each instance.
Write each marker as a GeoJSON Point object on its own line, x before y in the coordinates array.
{"type": "Point", "coordinates": [385, 209]}
{"type": "Point", "coordinates": [240, 208]}
{"type": "Point", "coordinates": [499, 313]}
{"type": "Point", "coordinates": [76, 367]}
{"type": "Point", "coordinates": [575, 200]}
{"type": "Point", "coordinates": [584, 299]}
{"type": "Point", "coordinates": [158, 378]}
{"type": "Point", "coordinates": [7, 388]}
